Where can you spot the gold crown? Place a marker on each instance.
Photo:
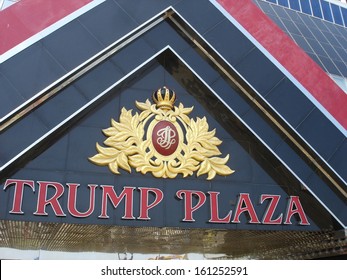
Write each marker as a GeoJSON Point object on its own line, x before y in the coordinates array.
{"type": "Point", "coordinates": [164, 98]}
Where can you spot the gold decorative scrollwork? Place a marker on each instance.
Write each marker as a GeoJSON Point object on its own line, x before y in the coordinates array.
{"type": "Point", "coordinates": [128, 146]}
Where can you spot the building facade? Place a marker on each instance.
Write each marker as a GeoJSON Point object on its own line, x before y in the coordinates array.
{"type": "Point", "coordinates": [215, 128]}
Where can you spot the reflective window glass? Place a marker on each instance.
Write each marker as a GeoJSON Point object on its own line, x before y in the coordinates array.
{"type": "Point", "coordinates": [283, 3]}
{"type": "Point", "coordinates": [294, 4]}
{"type": "Point", "coordinates": [316, 10]}
{"type": "Point", "coordinates": [7, 3]}
{"type": "Point", "coordinates": [337, 14]}
{"type": "Point", "coordinates": [305, 7]}
{"type": "Point", "coordinates": [341, 82]}
{"type": "Point", "coordinates": [344, 15]}
{"type": "Point", "coordinates": [327, 11]}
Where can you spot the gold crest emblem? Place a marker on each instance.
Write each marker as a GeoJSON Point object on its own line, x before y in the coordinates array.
{"type": "Point", "coordinates": [164, 150]}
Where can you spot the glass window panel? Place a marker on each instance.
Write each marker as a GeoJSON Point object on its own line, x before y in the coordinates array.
{"type": "Point", "coordinates": [344, 15]}
{"type": "Point", "coordinates": [316, 8]}
{"type": "Point", "coordinates": [283, 3]}
{"type": "Point", "coordinates": [272, 1]}
{"type": "Point", "coordinates": [327, 11]}
{"type": "Point", "coordinates": [7, 3]}
{"type": "Point", "coordinates": [337, 14]}
{"type": "Point", "coordinates": [341, 82]}
{"type": "Point", "coordinates": [294, 4]}
{"type": "Point", "coordinates": [305, 7]}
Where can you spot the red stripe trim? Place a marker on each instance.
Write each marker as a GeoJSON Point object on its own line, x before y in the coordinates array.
{"type": "Point", "coordinates": [26, 18]}
{"type": "Point", "coordinates": [292, 57]}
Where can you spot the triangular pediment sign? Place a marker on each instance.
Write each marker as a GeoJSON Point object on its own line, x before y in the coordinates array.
{"type": "Point", "coordinates": [215, 140]}
{"type": "Point", "coordinates": [129, 157]}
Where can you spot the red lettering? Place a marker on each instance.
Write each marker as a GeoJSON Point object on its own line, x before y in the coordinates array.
{"type": "Point", "coordinates": [249, 208]}
{"type": "Point", "coordinates": [42, 200]}
{"type": "Point", "coordinates": [144, 206]}
{"type": "Point", "coordinates": [215, 211]}
{"type": "Point", "coordinates": [18, 193]}
{"type": "Point", "coordinates": [295, 207]}
{"type": "Point", "coordinates": [127, 193]}
{"type": "Point", "coordinates": [50, 194]}
{"type": "Point", "coordinates": [72, 197]}
{"type": "Point", "coordinates": [270, 210]}
{"type": "Point", "coordinates": [188, 203]}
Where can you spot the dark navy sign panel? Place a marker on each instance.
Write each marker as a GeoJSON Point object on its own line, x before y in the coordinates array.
{"type": "Point", "coordinates": [65, 164]}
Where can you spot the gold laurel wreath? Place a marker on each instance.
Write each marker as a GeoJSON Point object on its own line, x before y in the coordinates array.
{"type": "Point", "coordinates": [127, 147]}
